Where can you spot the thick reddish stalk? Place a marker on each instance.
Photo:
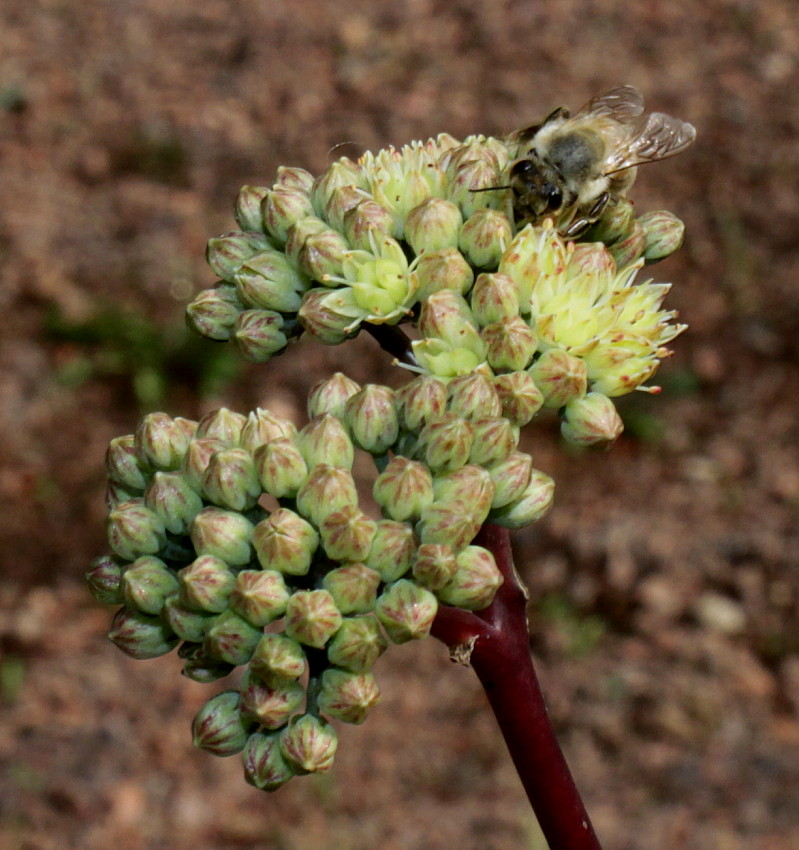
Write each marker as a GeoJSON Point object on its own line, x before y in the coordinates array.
{"type": "Point", "coordinates": [496, 644]}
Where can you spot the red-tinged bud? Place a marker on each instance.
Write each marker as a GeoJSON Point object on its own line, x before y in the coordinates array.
{"type": "Point", "coordinates": [146, 583]}
{"type": "Point", "coordinates": [434, 565]}
{"type": "Point", "coordinates": [269, 281]}
{"type": "Point", "coordinates": [223, 534]}
{"type": "Point", "coordinates": [664, 234]}
{"type": "Point", "coordinates": [521, 399]}
{"type": "Point", "coordinates": [327, 489]}
{"type": "Point", "coordinates": [371, 415]}
{"type": "Point", "coordinates": [278, 657]}
{"type": "Point", "coordinates": [122, 464]}
{"type": "Point", "coordinates": [260, 596]}
{"type": "Point", "coordinates": [357, 645]}
{"type": "Point", "coordinates": [247, 208]}
{"type": "Point", "coordinates": [312, 617]}
{"type": "Point", "coordinates": [309, 744]}
{"type": "Point", "coordinates": [226, 254]}
{"type": "Point", "coordinates": [330, 316]}
{"type": "Point", "coordinates": [453, 523]}
{"type": "Point", "coordinates": [263, 426]}
{"type": "Point", "coordinates": [403, 489]}
{"type": "Point", "coordinates": [331, 395]}
{"type": "Point", "coordinates": [591, 420]}
{"type": "Point", "coordinates": [299, 233]}
{"type": "Point", "coordinates": [406, 611]}
{"type": "Point", "coordinates": [322, 256]}
{"type": "Point", "coordinates": [494, 440]}
{"type": "Point", "coordinates": [473, 397]}
{"type": "Point", "coordinates": [494, 297]}
{"type": "Point", "coordinates": [484, 238]}
{"type": "Point", "coordinates": [475, 582]}
{"type": "Point", "coordinates": [213, 312]}
{"type": "Point", "coordinates": [171, 498]}
{"type": "Point", "coordinates": [260, 335]}
{"type": "Point", "coordinates": [231, 638]}
{"type": "Point", "coordinates": [444, 269]}
{"type": "Point", "coordinates": [105, 579]}
{"type": "Point", "coordinates": [616, 223]}
{"type": "Point", "coordinates": [141, 636]}
{"type": "Point", "coordinates": [363, 218]}
{"type": "Point", "coordinates": [530, 506]}
{"type": "Point", "coordinates": [510, 344]}
{"type": "Point", "coordinates": [218, 727]}
{"type": "Point", "coordinates": [221, 424]}
{"type": "Point", "coordinates": [353, 588]}
{"type": "Point", "coordinates": [294, 178]}
{"type": "Point", "coordinates": [470, 484]}
{"type": "Point", "coordinates": [283, 207]}
{"type": "Point", "coordinates": [511, 477]}
{"type": "Point", "coordinates": [342, 172]}
{"type": "Point", "coordinates": [230, 480]}
{"type": "Point", "coordinates": [285, 542]}
{"type": "Point", "coordinates": [264, 765]}
{"type": "Point", "coordinates": [446, 443]}
{"type": "Point", "coordinates": [160, 442]}
{"type": "Point", "coordinates": [197, 458]}
{"type": "Point", "coordinates": [433, 226]}
{"type": "Point", "coordinates": [560, 376]}
{"type": "Point", "coordinates": [347, 534]}
{"type": "Point", "coordinates": [281, 468]}
{"type": "Point", "coordinates": [206, 584]}
{"type": "Point", "coordinates": [325, 440]}
{"type": "Point", "coordinates": [271, 704]}
{"type": "Point", "coordinates": [116, 493]}
{"type": "Point", "coordinates": [189, 625]}
{"type": "Point", "coordinates": [420, 401]}
{"type": "Point", "coordinates": [201, 668]}
{"type": "Point", "coordinates": [629, 249]}
{"type": "Point", "coordinates": [447, 316]}
{"type": "Point", "coordinates": [348, 696]}
{"type": "Point", "coordinates": [472, 175]}
{"type": "Point", "coordinates": [392, 551]}
{"type": "Point", "coordinates": [134, 530]}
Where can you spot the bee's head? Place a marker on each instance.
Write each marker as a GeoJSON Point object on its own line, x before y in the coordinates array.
{"type": "Point", "coordinates": [534, 192]}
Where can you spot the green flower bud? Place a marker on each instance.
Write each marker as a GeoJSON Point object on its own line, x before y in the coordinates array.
{"type": "Point", "coordinates": [631, 248]}
{"type": "Point", "coordinates": [469, 484]}
{"type": "Point", "coordinates": [262, 427]}
{"type": "Point", "coordinates": [312, 617]}
{"type": "Point", "coordinates": [285, 542]}
{"type": "Point", "coordinates": [403, 489]}
{"type": "Point", "coordinates": [348, 696]}
{"type": "Point", "coordinates": [264, 765]}
{"type": "Point", "coordinates": [616, 223]}
{"type": "Point", "coordinates": [446, 443]}
{"type": "Point", "coordinates": [259, 596]}
{"type": "Point", "coordinates": [299, 233]}
{"type": "Point", "coordinates": [322, 255]}
{"type": "Point", "coordinates": [269, 281]}
{"type": "Point", "coordinates": [221, 424]}
{"type": "Point", "coordinates": [447, 316]}
{"type": "Point", "coordinates": [213, 312]}
{"type": "Point", "coordinates": [371, 415]}
{"type": "Point", "coordinates": [452, 523]}
{"type": "Point", "coordinates": [475, 582]}
{"type": "Point", "coordinates": [200, 667]}
{"type": "Point", "coordinates": [325, 440]}
{"type": "Point", "coordinates": [347, 534]}
{"type": "Point", "coordinates": [283, 207]}
{"type": "Point", "coordinates": [472, 397]}
{"type": "Point", "coordinates": [206, 584]}
{"type": "Point", "coordinates": [331, 395]}
{"type": "Point", "coordinates": [392, 549]}
{"type": "Point", "coordinates": [588, 258]}
{"type": "Point", "coordinates": [664, 234]}
{"type": "Point", "coordinates": [406, 611]}
{"type": "Point", "coordinates": [469, 176]}
{"type": "Point", "coordinates": [353, 588]}
{"type": "Point", "coordinates": [271, 704]}
{"type": "Point", "coordinates": [280, 468]}
{"type": "Point", "coordinates": [122, 464]}
{"type": "Point", "coordinates": [327, 489]}
{"type": "Point", "coordinates": [560, 376]}
{"type": "Point", "coordinates": [294, 178]}
{"type": "Point", "coordinates": [218, 727]}
{"type": "Point", "coordinates": [362, 219]}
{"type": "Point", "coordinates": [278, 657]}
{"type": "Point", "coordinates": [247, 208]}
{"type": "Point", "coordinates": [230, 480]}
{"type": "Point", "coordinates": [226, 254]}
{"type": "Point", "coordinates": [135, 530]}
{"type": "Point", "coordinates": [116, 493]}
{"type": "Point", "coordinates": [421, 401]}
{"type": "Point", "coordinates": [104, 579]}
{"type": "Point", "coordinates": [434, 565]}
{"type": "Point", "coordinates": [259, 335]}
{"type": "Point", "coordinates": [433, 226]}
{"type": "Point", "coordinates": [146, 583]}
{"type": "Point", "coordinates": [330, 316]}
{"type": "Point", "coordinates": [530, 506]}
{"type": "Point", "coordinates": [521, 399]}
{"type": "Point", "coordinates": [511, 477]}
{"type": "Point", "coordinates": [494, 297]}
{"type": "Point", "coordinates": [342, 172]}
{"type": "Point", "coordinates": [222, 533]}
{"type": "Point", "coordinates": [309, 744]}
{"type": "Point", "coordinates": [591, 420]}
{"type": "Point", "coordinates": [231, 638]}
{"type": "Point", "coordinates": [494, 440]}
{"type": "Point", "coordinates": [450, 359]}
{"type": "Point", "coordinates": [141, 636]}
{"type": "Point", "coordinates": [484, 238]}
{"type": "Point", "coordinates": [188, 625]}
{"type": "Point", "coordinates": [160, 442]}
{"type": "Point", "coordinates": [444, 269]}
{"type": "Point", "coordinates": [171, 498]}
{"type": "Point", "coordinates": [510, 344]}
{"type": "Point", "coordinates": [357, 645]}
{"type": "Point", "coordinates": [197, 458]}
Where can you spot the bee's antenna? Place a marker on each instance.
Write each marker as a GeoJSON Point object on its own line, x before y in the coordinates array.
{"type": "Point", "coordinates": [490, 188]}
{"type": "Point", "coordinates": [358, 149]}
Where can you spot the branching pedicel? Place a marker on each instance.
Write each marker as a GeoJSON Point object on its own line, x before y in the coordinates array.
{"type": "Point", "coordinates": [511, 319]}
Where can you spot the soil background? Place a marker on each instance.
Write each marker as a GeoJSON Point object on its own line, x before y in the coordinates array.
{"type": "Point", "coordinates": [664, 583]}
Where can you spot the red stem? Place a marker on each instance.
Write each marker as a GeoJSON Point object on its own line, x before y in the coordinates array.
{"type": "Point", "coordinates": [497, 639]}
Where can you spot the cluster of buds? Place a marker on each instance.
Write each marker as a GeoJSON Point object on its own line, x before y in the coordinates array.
{"type": "Point", "coordinates": [308, 595]}
{"type": "Point", "coordinates": [420, 234]}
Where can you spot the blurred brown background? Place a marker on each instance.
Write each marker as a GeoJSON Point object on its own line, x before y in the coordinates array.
{"type": "Point", "coordinates": [665, 582]}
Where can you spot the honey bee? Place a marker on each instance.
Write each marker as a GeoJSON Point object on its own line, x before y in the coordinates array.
{"type": "Point", "coordinates": [571, 167]}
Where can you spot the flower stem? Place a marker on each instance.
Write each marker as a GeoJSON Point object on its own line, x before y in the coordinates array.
{"type": "Point", "coordinates": [495, 642]}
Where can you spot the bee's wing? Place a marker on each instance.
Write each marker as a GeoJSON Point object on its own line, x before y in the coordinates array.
{"type": "Point", "coordinates": [656, 137]}
{"type": "Point", "coordinates": [623, 104]}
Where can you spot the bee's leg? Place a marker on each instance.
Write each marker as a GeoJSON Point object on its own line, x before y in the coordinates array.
{"type": "Point", "coordinates": [583, 221]}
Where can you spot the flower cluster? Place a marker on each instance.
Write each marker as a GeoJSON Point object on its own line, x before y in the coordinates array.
{"type": "Point", "coordinates": [306, 595]}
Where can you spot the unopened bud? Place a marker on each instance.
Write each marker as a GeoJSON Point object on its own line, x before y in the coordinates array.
{"type": "Point", "coordinates": [218, 727]}
{"type": "Point", "coordinates": [452, 523]}
{"type": "Point", "coordinates": [560, 376]}
{"type": "Point", "coordinates": [444, 269]}
{"type": "Point", "coordinates": [309, 744]}
{"type": "Point", "coordinates": [278, 657]}
{"type": "Point", "coordinates": [403, 489]}
{"type": "Point", "coordinates": [629, 249]}
{"type": "Point", "coordinates": [206, 584]}
{"type": "Point", "coordinates": [230, 480]}
{"type": "Point", "coordinates": [327, 489]}
{"type": "Point", "coordinates": [231, 638]}
{"type": "Point", "coordinates": [134, 530]}
{"type": "Point", "coordinates": [294, 178]}
{"type": "Point", "coordinates": [484, 238]}
{"type": "Point", "coordinates": [105, 579]}
{"type": "Point", "coordinates": [264, 765]}
{"type": "Point", "coordinates": [347, 534]}
{"type": "Point", "coordinates": [511, 477]}
{"type": "Point", "coordinates": [226, 254]}
{"type": "Point", "coordinates": [521, 399]}
{"type": "Point", "coordinates": [260, 334]}
{"type": "Point", "coordinates": [357, 644]}
{"type": "Point", "coordinates": [420, 401]}
{"type": "Point", "coordinates": [282, 207]}
{"type": "Point", "coordinates": [433, 225]}
{"type": "Point", "coordinates": [160, 442]}
{"type": "Point", "coordinates": [146, 584]}
{"type": "Point", "coordinates": [530, 506]}
{"type": "Point", "coordinates": [664, 234]}
{"type": "Point", "coordinates": [223, 534]}
{"type": "Point", "coordinates": [331, 395]}
{"type": "Point", "coordinates": [434, 566]}
{"type": "Point", "coordinates": [494, 297]}
{"type": "Point", "coordinates": [371, 415]}
{"type": "Point", "coordinates": [348, 696]}
{"type": "Point", "coordinates": [281, 468]}
{"type": "Point", "coordinates": [299, 234]}
{"type": "Point", "coordinates": [213, 312]}
{"type": "Point", "coordinates": [263, 426]}
{"type": "Point", "coordinates": [406, 611]}
{"type": "Point", "coordinates": [615, 224]}
{"type": "Point", "coordinates": [363, 218]}
{"type": "Point", "coordinates": [494, 439]}
{"type": "Point", "coordinates": [510, 344]}
{"type": "Point", "coordinates": [475, 582]}
{"type": "Point", "coordinates": [322, 255]}
{"type": "Point", "coordinates": [196, 460]}
{"type": "Point", "coordinates": [325, 440]}
{"type": "Point", "coordinates": [472, 397]}
{"type": "Point", "coordinates": [591, 420]}
{"type": "Point", "coordinates": [342, 172]}
{"type": "Point", "coordinates": [260, 596]}
{"type": "Point", "coordinates": [270, 282]}
{"type": "Point", "coordinates": [285, 542]}
{"type": "Point", "coordinates": [472, 175]}
{"type": "Point", "coordinates": [392, 549]}
{"type": "Point", "coordinates": [312, 617]}
{"type": "Point", "coordinates": [221, 424]}
{"type": "Point", "coordinates": [353, 587]}
{"type": "Point", "coordinates": [122, 464]}
{"type": "Point", "coordinates": [329, 316]}
{"type": "Point", "coordinates": [141, 636]}
{"type": "Point", "coordinates": [171, 498]}
{"type": "Point", "coordinates": [445, 444]}
{"type": "Point", "coordinates": [447, 316]}
{"type": "Point", "coordinates": [271, 703]}
{"type": "Point", "coordinates": [247, 208]}
{"type": "Point", "coordinates": [469, 484]}
{"type": "Point", "coordinates": [189, 625]}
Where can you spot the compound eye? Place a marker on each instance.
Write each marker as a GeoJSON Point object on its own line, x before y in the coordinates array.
{"type": "Point", "coordinates": [523, 166]}
{"type": "Point", "coordinates": [554, 197]}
